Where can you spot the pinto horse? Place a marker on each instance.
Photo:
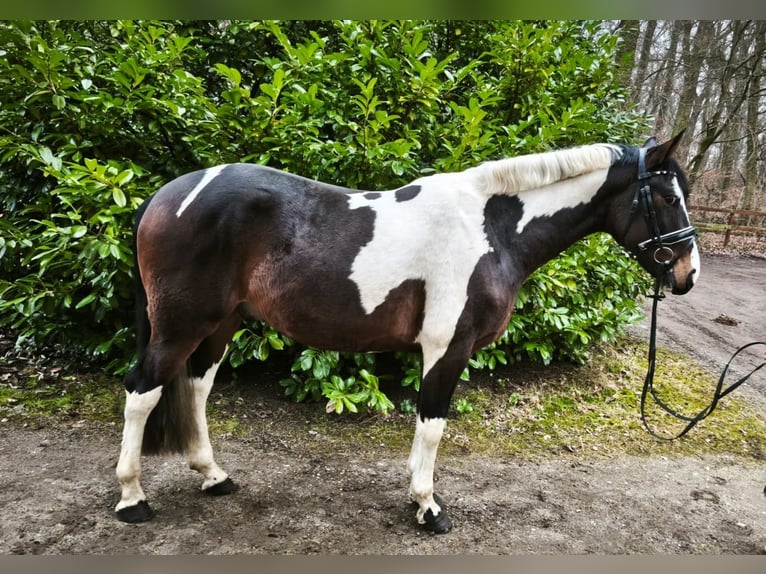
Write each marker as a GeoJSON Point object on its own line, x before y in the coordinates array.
{"type": "Point", "coordinates": [433, 266]}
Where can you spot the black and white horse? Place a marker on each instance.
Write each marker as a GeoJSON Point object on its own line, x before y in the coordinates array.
{"type": "Point", "coordinates": [433, 266]}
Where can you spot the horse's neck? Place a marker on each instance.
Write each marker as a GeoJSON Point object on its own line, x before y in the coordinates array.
{"type": "Point", "coordinates": [534, 227]}
{"type": "Point", "coordinates": [553, 237]}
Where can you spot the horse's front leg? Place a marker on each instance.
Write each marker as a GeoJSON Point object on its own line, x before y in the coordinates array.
{"type": "Point", "coordinates": [434, 398]}
{"type": "Point", "coordinates": [430, 514]}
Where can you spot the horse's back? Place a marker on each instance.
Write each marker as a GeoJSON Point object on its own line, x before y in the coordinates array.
{"type": "Point", "coordinates": [233, 185]}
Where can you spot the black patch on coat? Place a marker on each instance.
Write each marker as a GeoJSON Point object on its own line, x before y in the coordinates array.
{"type": "Point", "coordinates": [372, 195]}
{"type": "Point", "coordinates": [501, 216]}
{"type": "Point", "coordinates": [407, 193]}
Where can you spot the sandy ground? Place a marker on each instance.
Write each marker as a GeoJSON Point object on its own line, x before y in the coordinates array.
{"type": "Point", "coordinates": [725, 310]}
{"type": "Point", "coordinates": [57, 485]}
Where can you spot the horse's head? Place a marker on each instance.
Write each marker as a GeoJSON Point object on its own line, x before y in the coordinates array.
{"type": "Point", "coordinates": [655, 223]}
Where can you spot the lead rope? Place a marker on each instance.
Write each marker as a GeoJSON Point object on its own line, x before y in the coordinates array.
{"type": "Point", "coordinates": [648, 389]}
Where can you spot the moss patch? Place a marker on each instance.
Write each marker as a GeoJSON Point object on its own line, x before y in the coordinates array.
{"type": "Point", "coordinates": [524, 410]}
{"type": "Point", "coordinates": [53, 394]}
{"type": "Point", "coordinates": [534, 411]}
{"type": "Point", "coordinates": [595, 409]}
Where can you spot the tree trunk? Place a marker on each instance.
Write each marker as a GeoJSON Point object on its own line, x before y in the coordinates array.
{"type": "Point", "coordinates": [625, 57]}
{"type": "Point", "coordinates": [753, 123]}
{"type": "Point", "coordinates": [664, 96]}
{"type": "Point", "coordinates": [642, 64]}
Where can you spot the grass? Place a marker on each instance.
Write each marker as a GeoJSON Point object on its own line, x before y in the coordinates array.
{"type": "Point", "coordinates": [594, 409]}
{"type": "Point", "coordinates": [528, 411]}
{"type": "Point", "coordinates": [533, 411]}
{"type": "Point", "coordinates": [36, 396]}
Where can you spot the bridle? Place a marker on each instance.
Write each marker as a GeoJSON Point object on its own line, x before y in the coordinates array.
{"type": "Point", "coordinates": [665, 258]}
{"type": "Point", "coordinates": [663, 254]}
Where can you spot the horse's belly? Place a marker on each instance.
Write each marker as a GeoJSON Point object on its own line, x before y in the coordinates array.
{"type": "Point", "coordinates": [329, 315]}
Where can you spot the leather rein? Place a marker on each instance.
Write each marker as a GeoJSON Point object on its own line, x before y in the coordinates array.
{"type": "Point", "coordinates": [665, 257]}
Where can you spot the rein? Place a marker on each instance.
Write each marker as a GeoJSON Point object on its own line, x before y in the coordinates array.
{"type": "Point", "coordinates": [665, 258]}
{"type": "Point", "coordinates": [718, 394]}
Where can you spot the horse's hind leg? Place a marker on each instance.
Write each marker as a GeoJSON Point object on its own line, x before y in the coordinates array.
{"type": "Point", "coordinates": [144, 386]}
{"type": "Point", "coordinates": [204, 365]}
{"type": "Point", "coordinates": [132, 506]}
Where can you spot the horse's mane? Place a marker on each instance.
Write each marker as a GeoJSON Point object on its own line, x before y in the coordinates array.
{"type": "Point", "coordinates": [513, 175]}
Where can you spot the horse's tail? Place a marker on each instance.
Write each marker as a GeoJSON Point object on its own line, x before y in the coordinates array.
{"type": "Point", "coordinates": [171, 426]}
{"type": "Point", "coordinates": [142, 327]}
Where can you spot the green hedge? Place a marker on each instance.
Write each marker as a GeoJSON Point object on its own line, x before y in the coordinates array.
{"type": "Point", "coordinates": [95, 116]}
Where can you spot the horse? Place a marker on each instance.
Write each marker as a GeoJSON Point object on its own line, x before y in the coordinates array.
{"type": "Point", "coordinates": [433, 267]}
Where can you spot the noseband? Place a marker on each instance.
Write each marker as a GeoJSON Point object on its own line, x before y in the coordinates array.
{"type": "Point", "coordinates": [664, 255]}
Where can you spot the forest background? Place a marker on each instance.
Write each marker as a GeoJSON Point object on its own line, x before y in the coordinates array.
{"type": "Point", "coordinates": [96, 115]}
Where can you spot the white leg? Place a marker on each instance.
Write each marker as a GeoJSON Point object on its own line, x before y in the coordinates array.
{"type": "Point", "coordinates": [201, 451]}
{"type": "Point", "coordinates": [137, 409]}
{"type": "Point", "coordinates": [428, 434]}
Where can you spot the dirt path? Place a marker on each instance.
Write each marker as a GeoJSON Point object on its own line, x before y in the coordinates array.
{"type": "Point", "coordinates": [725, 310]}
{"type": "Point", "coordinates": [57, 486]}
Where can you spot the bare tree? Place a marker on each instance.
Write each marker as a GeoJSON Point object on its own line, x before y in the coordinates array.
{"type": "Point", "coordinates": [707, 76]}
{"type": "Point", "coordinates": [642, 61]}
{"type": "Point", "coordinates": [730, 96]}
{"type": "Point", "coordinates": [629, 31]}
{"type": "Point", "coordinates": [754, 125]}
{"type": "Point", "coordinates": [664, 99]}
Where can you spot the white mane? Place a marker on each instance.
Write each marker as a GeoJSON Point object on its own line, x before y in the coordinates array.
{"type": "Point", "coordinates": [516, 174]}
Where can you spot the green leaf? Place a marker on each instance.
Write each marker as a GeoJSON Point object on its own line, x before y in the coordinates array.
{"type": "Point", "coordinates": [119, 197]}
{"type": "Point", "coordinates": [229, 73]}
{"type": "Point", "coordinates": [124, 177]}
{"type": "Point", "coordinates": [87, 300]}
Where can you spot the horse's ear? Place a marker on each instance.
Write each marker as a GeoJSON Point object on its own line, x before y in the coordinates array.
{"type": "Point", "coordinates": [658, 154]}
{"type": "Point", "coordinates": [651, 142]}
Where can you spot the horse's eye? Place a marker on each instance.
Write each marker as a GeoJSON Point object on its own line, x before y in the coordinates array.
{"type": "Point", "coordinates": [671, 199]}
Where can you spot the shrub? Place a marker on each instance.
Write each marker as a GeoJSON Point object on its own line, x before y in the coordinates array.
{"type": "Point", "coordinates": [94, 116]}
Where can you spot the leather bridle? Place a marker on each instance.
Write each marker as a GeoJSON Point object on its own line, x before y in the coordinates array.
{"type": "Point", "coordinates": [663, 254]}
{"type": "Point", "coordinates": [661, 243]}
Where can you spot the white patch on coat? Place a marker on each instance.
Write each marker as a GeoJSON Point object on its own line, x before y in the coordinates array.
{"type": "Point", "coordinates": [437, 236]}
{"type": "Point", "coordinates": [201, 452]}
{"type": "Point", "coordinates": [696, 263]}
{"type": "Point", "coordinates": [137, 409]}
{"type": "Point", "coordinates": [679, 194]}
{"type": "Point", "coordinates": [421, 464]}
{"type": "Point", "coordinates": [209, 175]}
{"type": "Point", "coordinates": [552, 198]}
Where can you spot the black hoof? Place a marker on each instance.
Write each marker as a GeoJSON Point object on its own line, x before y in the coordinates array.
{"type": "Point", "coordinates": [140, 512]}
{"type": "Point", "coordinates": [440, 524]}
{"type": "Point", "coordinates": [228, 486]}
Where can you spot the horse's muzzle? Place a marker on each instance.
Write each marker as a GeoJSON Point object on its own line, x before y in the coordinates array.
{"type": "Point", "coordinates": [681, 287]}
